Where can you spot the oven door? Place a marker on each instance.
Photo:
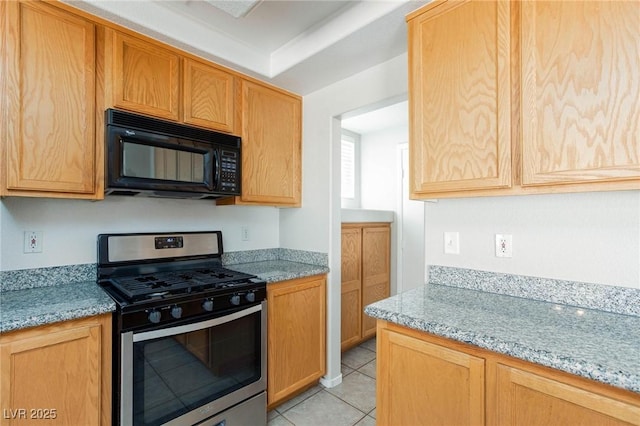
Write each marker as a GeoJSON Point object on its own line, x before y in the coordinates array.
{"type": "Point", "coordinates": [185, 374]}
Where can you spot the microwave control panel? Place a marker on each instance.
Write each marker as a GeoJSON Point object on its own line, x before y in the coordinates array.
{"type": "Point", "coordinates": [229, 167]}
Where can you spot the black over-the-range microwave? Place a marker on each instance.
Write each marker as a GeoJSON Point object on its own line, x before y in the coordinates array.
{"type": "Point", "coordinates": [152, 157]}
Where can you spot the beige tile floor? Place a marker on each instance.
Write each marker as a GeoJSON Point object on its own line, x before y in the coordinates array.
{"type": "Point", "coordinates": [353, 402]}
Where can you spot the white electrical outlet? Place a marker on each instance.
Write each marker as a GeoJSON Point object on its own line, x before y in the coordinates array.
{"type": "Point", "coordinates": [452, 242]}
{"type": "Point", "coordinates": [504, 245]}
{"type": "Point", "coordinates": [33, 241]}
{"type": "Point", "coordinates": [244, 231]}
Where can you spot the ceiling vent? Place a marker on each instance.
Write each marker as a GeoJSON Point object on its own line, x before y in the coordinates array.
{"type": "Point", "coordinates": [235, 8]}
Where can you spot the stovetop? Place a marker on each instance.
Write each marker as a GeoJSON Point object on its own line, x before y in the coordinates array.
{"type": "Point", "coordinates": [171, 278]}
{"type": "Point", "coordinates": [154, 285]}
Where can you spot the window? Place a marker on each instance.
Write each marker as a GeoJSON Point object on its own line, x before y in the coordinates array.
{"type": "Point", "coordinates": [348, 170]}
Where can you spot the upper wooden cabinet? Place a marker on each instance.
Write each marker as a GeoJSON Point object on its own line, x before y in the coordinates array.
{"type": "Point", "coordinates": [150, 78]}
{"type": "Point", "coordinates": [459, 56]}
{"type": "Point", "coordinates": [208, 96]}
{"type": "Point", "coordinates": [580, 91]}
{"type": "Point", "coordinates": [524, 97]}
{"type": "Point", "coordinates": [271, 146]}
{"type": "Point", "coordinates": [145, 77]}
{"type": "Point", "coordinates": [48, 121]}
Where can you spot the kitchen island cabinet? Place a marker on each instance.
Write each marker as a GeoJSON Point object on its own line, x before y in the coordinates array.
{"type": "Point", "coordinates": [510, 98]}
{"type": "Point", "coordinates": [47, 87]}
{"type": "Point", "coordinates": [58, 373]}
{"type": "Point", "coordinates": [296, 329]}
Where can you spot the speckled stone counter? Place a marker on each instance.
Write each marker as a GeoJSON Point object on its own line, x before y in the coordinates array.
{"type": "Point", "coordinates": [598, 345]}
{"type": "Point", "coordinates": [44, 305]}
{"type": "Point", "coordinates": [279, 270]}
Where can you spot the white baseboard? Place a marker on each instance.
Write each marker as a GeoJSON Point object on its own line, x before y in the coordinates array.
{"type": "Point", "coordinates": [328, 382]}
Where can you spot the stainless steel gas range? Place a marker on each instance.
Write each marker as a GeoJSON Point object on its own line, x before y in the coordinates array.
{"type": "Point", "coordinates": [189, 335]}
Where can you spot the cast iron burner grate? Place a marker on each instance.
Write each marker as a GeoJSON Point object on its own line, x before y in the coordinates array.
{"type": "Point", "coordinates": [148, 285]}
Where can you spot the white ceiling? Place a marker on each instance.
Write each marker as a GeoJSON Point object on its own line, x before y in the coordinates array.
{"type": "Point", "coordinates": [392, 116]}
{"type": "Point", "coordinates": [300, 45]}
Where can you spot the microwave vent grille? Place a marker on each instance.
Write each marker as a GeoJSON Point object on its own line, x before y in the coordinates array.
{"type": "Point", "coordinates": [143, 123]}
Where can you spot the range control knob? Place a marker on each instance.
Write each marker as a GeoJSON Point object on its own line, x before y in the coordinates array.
{"type": "Point", "coordinates": [251, 296]}
{"type": "Point", "coordinates": [176, 312]}
{"type": "Point", "coordinates": [155, 316]}
{"type": "Point", "coordinates": [207, 305]}
{"type": "Point", "coordinates": [235, 300]}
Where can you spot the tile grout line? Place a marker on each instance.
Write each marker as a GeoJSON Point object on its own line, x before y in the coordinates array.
{"type": "Point", "coordinates": [323, 389]}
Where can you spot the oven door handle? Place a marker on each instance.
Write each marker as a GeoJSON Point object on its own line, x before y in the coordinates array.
{"type": "Point", "coordinates": [170, 331]}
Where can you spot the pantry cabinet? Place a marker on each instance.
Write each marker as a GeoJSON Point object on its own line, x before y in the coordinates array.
{"type": "Point", "coordinates": [466, 385]}
{"type": "Point", "coordinates": [296, 330]}
{"type": "Point", "coordinates": [47, 88]}
{"type": "Point", "coordinates": [58, 373]}
{"type": "Point", "coordinates": [512, 97]}
{"type": "Point", "coordinates": [365, 275]}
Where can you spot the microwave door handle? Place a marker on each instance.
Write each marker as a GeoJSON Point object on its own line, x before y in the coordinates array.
{"type": "Point", "coordinates": [216, 173]}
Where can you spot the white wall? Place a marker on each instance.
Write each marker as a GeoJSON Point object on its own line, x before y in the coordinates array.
{"type": "Point", "coordinates": [316, 226]}
{"type": "Point", "coordinates": [587, 237]}
{"type": "Point", "coordinates": [70, 226]}
{"type": "Point", "coordinates": [379, 167]}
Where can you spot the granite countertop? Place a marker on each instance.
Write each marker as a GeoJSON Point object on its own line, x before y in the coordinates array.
{"type": "Point", "coordinates": [598, 345]}
{"type": "Point", "coordinates": [44, 305]}
{"type": "Point", "coordinates": [279, 270]}
{"type": "Point", "coordinates": [29, 307]}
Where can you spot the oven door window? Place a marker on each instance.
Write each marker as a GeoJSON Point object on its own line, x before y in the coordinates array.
{"type": "Point", "coordinates": [178, 373]}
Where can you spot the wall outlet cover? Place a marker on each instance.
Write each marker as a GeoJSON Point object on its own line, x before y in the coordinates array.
{"type": "Point", "coordinates": [504, 245]}
{"type": "Point", "coordinates": [452, 242]}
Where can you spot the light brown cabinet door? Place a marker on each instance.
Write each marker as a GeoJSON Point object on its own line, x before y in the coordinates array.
{"type": "Point", "coordinates": [580, 91]}
{"type": "Point", "coordinates": [420, 383]}
{"type": "Point", "coordinates": [271, 146]}
{"type": "Point", "coordinates": [296, 336]}
{"type": "Point", "coordinates": [525, 398]}
{"type": "Point", "coordinates": [208, 96]}
{"type": "Point", "coordinates": [58, 373]}
{"type": "Point", "coordinates": [460, 102]}
{"type": "Point", "coordinates": [145, 77]}
{"type": "Point", "coordinates": [48, 119]}
{"type": "Point", "coordinates": [351, 273]}
{"type": "Point", "coordinates": [376, 270]}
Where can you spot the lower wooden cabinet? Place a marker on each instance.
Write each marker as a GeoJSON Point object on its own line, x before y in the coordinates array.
{"type": "Point", "coordinates": [365, 275]}
{"type": "Point", "coordinates": [296, 329]}
{"type": "Point", "coordinates": [526, 398]}
{"type": "Point", "coordinates": [424, 379]}
{"type": "Point", "coordinates": [420, 383]}
{"type": "Point", "coordinates": [57, 374]}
